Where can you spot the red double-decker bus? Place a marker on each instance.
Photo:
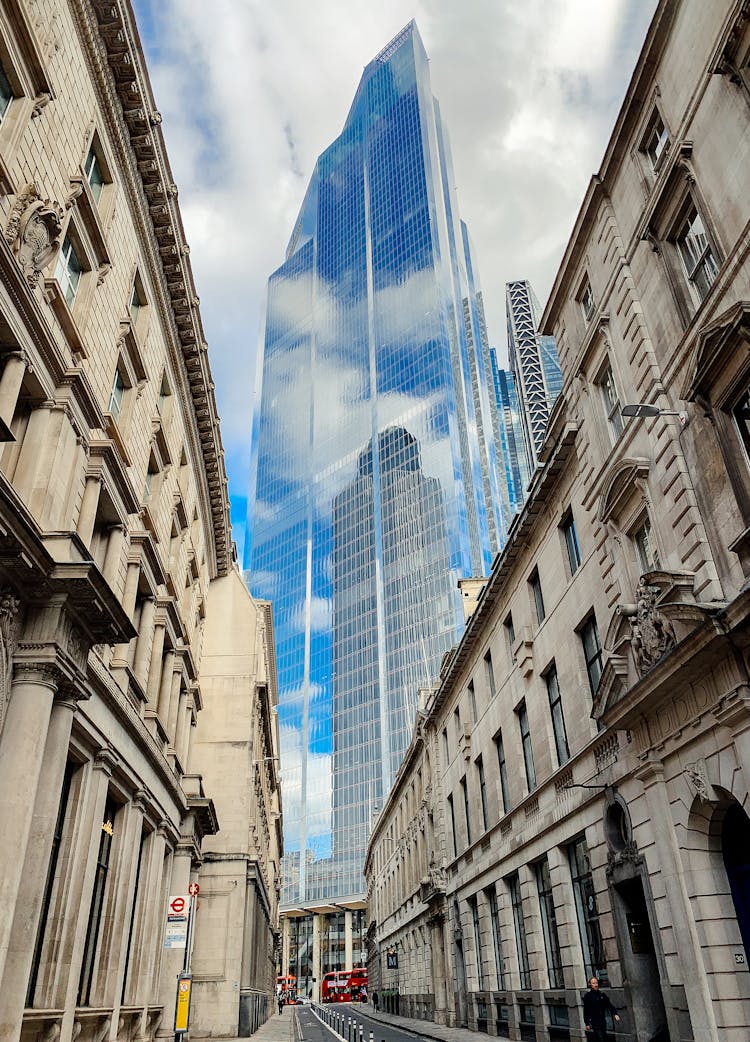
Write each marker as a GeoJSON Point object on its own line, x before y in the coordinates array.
{"type": "Point", "coordinates": [357, 984]}
{"type": "Point", "coordinates": [333, 988]}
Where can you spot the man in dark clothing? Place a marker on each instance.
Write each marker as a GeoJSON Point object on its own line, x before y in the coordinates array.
{"type": "Point", "coordinates": [595, 1006]}
{"type": "Point", "coordinates": [375, 1000]}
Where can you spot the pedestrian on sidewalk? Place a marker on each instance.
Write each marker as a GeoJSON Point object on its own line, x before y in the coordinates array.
{"type": "Point", "coordinates": [375, 1000]}
{"type": "Point", "coordinates": [281, 1003]}
{"type": "Point", "coordinates": [595, 1007]}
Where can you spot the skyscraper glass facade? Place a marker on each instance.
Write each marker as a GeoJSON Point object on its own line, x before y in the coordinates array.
{"type": "Point", "coordinates": [376, 462]}
{"type": "Point", "coordinates": [513, 446]}
{"type": "Point", "coordinates": [534, 364]}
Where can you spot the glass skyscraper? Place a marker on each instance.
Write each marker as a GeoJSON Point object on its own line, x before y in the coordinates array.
{"type": "Point", "coordinates": [377, 485]}
{"type": "Point", "coordinates": [514, 455]}
{"type": "Point", "coordinates": [534, 364]}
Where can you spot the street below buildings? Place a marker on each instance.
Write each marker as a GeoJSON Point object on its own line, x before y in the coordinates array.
{"type": "Point", "coordinates": [313, 1030]}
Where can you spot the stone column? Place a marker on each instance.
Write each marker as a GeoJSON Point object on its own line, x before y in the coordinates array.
{"type": "Point", "coordinates": [179, 737]}
{"type": "Point", "coordinates": [182, 742]}
{"type": "Point", "coordinates": [154, 669]}
{"type": "Point", "coordinates": [173, 958]}
{"type": "Point", "coordinates": [38, 852]}
{"type": "Point", "coordinates": [10, 384]}
{"type": "Point", "coordinates": [61, 968]}
{"type": "Point", "coordinates": [143, 640]}
{"type": "Point", "coordinates": [438, 969]}
{"type": "Point", "coordinates": [29, 461]}
{"type": "Point", "coordinates": [316, 957]}
{"type": "Point", "coordinates": [174, 702]}
{"type": "Point", "coordinates": [22, 749]}
{"type": "Point", "coordinates": [285, 942]}
{"type": "Point", "coordinates": [89, 507]}
{"type": "Point", "coordinates": [165, 688]}
{"type": "Point", "coordinates": [130, 593]}
{"type": "Point", "coordinates": [348, 945]}
{"type": "Point", "coordinates": [150, 913]}
{"type": "Point", "coordinates": [687, 941]}
{"type": "Point", "coordinates": [111, 567]}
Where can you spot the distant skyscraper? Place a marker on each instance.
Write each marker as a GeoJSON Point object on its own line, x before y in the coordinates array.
{"type": "Point", "coordinates": [377, 483]}
{"type": "Point", "coordinates": [514, 455]}
{"type": "Point", "coordinates": [534, 364]}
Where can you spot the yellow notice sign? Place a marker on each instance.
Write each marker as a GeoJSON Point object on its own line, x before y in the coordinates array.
{"type": "Point", "coordinates": [182, 1010]}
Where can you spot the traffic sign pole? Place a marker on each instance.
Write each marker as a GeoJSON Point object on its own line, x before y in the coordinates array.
{"type": "Point", "coordinates": [185, 980]}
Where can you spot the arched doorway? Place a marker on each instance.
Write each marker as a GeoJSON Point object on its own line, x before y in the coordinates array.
{"type": "Point", "coordinates": [735, 849]}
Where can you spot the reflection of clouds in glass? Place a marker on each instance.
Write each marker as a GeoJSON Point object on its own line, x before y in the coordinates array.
{"type": "Point", "coordinates": [317, 809]}
{"type": "Point", "coordinates": [320, 616]}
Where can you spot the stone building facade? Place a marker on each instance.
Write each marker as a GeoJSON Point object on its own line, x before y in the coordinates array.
{"type": "Point", "coordinates": [236, 750]}
{"type": "Point", "coordinates": [575, 798]}
{"type": "Point", "coordinates": [114, 525]}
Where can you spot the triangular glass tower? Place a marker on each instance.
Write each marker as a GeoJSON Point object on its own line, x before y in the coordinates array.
{"type": "Point", "coordinates": [376, 462]}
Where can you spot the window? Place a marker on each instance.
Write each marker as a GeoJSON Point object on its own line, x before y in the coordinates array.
{"type": "Point", "coordinates": [453, 824]}
{"type": "Point", "coordinates": [586, 300]}
{"type": "Point", "coordinates": [519, 927]}
{"type": "Point", "coordinates": [51, 870]}
{"type": "Point", "coordinates": [483, 793]}
{"type": "Point", "coordinates": [97, 904]}
{"type": "Point", "coordinates": [571, 543]}
{"type": "Point", "coordinates": [477, 941]}
{"type": "Point", "coordinates": [696, 252]}
{"type": "Point", "coordinates": [94, 175]}
{"type": "Point", "coordinates": [467, 813]}
{"type": "Point", "coordinates": [446, 751]}
{"type": "Point", "coordinates": [587, 911]}
{"type": "Point", "coordinates": [558, 721]}
{"type": "Point", "coordinates": [536, 592]}
{"type": "Point", "coordinates": [645, 547]}
{"type": "Point", "coordinates": [116, 395]}
{"type": "Point", "coordinates": [473, 701]}
{"type": "Point", "coordinates": [656, 140]}
{"type": "Point", "coordinates": [503, 770]}
{"type": "Point", "coordinates": [510, 632]}
{"type": "Point", "coordinates": [612, 407]}
{"type": "Point", "coordinates": [528, 752]}
{"type": "Point", "coordinates": [491, 896]}
{"type": "Point", "coordinates": [592, 652]}
{"type": "Point", "coordinates": [68, 271]}
{"type": "Point", "coordinates": [135, 305]}
{"type": "Point", "coordinates": [6, 94]}
{"type": "Point", "coordinates": [457, 724]}
{"type": "Point", "coordinates": [549, 925]}
{"type": "Point", "coordinates": [490, 674]}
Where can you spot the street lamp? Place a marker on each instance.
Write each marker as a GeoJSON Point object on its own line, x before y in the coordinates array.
{"type": "Point", "coordinates": [643, 411]}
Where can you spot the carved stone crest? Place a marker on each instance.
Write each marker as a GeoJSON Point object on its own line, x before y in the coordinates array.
{"type": "Point", "coordinates": [652, 633]}
{"type": "Point", "coordinates": [697, 779]}
{"type": "Point", "coordinates": [628, 855]}
{"type": "Point", "coordinates": [9, 605]}
{"type": "Point", "coordinates": [33, 231]}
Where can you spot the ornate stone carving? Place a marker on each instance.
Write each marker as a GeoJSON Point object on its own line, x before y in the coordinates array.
{"type": "Point", "coordinates": [40, 102]}
{"type": "Point", "coordinates": [9, 605]}
{"type": "Point", "coordinates": [697, 779]}
{"type": "Point", "coordinates": [652, 633]}
{"type": "Point", "coordinates": [628, 855]}
{"type": "Point", "coordinates": [33, 231]}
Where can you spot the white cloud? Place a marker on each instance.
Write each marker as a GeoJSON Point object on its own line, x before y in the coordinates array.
{"type": "Point", "coordinates": [318, 786]}
{"type": "Point", "coordinates": [251, 93]}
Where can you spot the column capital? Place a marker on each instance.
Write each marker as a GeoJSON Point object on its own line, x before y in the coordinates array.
{"type": "Point", "coordinates": [105, 760]}
{"type": "Point", "coordinates": [45, 674]}
{"type": "Point", "coordinates": [140, 799]}
{"type": "Point", "coordinates": [650, 771]}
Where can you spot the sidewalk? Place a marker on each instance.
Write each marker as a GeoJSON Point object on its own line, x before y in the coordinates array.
{"type": "Point", "coordinates": [276, 1028]}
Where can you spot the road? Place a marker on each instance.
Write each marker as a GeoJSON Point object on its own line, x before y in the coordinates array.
{"type": "Point", "coordinates": [311, 1029]}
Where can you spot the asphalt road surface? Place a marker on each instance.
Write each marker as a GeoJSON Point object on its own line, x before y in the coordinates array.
{"type": "Point", "coordinates": [311, 1029]}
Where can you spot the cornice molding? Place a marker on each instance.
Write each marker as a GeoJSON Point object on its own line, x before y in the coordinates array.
{"type": "Point", "coordinates": [112, 49]}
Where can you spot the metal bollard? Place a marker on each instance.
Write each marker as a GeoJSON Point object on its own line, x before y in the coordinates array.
{"type": "Point", "coordinates": [371, 1036]}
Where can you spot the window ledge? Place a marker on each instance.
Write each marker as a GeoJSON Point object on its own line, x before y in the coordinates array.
{"type": "Point", "coordinates": [56, 299]}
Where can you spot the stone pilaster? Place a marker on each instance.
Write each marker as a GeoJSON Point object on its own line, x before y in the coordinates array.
{"type": "Point", "coordinates": [36, 864]}
{"type": "Point", "coordinates": [687, 940]}
{"type": "Point", "coordinates": [89, 507]}
{"type": "Point", "coordinates": [173, 958]}
{"type": "Point", "coordinates": [348, 941]}
{"type": "Point", "coordinates": [10, 384]}
{"type": "Point", "coordinates": [22, 747]}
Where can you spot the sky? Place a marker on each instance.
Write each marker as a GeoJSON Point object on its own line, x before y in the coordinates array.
{"type": "Point", "coordinates": [251, 93]}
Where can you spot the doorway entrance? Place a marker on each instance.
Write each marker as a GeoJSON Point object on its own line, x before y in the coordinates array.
{"type": "Point", "coordinates": [735, 849]}
{"type": "Point", "coordinates": [639, 960]}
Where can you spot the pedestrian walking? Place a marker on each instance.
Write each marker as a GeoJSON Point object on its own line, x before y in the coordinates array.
{"type": "Point", "coordinates": [375, 1000]}
{"type": "Point", "coordinates": [281, 1003]}
{"type": "Point", "coordinates": [595, 1007]}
